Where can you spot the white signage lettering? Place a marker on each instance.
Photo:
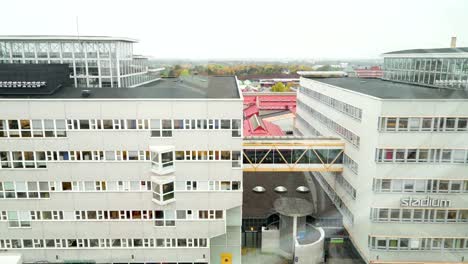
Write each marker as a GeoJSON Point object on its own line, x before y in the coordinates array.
{"type": "Point", "coordinates": [424, 202]}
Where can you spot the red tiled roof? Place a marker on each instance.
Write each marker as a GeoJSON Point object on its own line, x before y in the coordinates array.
{"type": "Point", "coordinates": [271, 102]}
{"type": "Point", "coordinates": [372, 72]}
{"type": "Point", "coordinates": [266, 129]}
{"type": "Point", "coordinates": [251, 110]}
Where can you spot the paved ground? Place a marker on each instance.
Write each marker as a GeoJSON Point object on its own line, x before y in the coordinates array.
{"type": "Point", "coordinates": [338, 254]}
{"type": "Point", "coordinates": [343, 254]}
{"type": "Point", "coordinates": [254, 256]}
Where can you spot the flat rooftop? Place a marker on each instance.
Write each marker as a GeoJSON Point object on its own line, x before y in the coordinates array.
{"type": "Point", "coordinates": [392, 90]}
{"type": "Point", "coordinates": [197, 87]}
{"type": "Point", "coordinates": [64, 38]}
{"type": "Point", "coordinates": [261, 205]}
{"type": "Point", "coordinates": [422, 51]}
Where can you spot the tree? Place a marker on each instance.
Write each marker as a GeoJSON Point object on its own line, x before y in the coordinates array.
{"type": "Point", "coordinates": [291, 84]}
{"type": "Point", "coordinates": [279, 87]}
{"type": "Point", "coordinates": [327, 68]}
{"type": "Point", "coordinates": [184, 72]}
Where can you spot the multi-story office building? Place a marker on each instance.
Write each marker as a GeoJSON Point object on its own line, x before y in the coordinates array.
{"type": "Point", "coordinates": [403, 192]}
{"type": "Point", "coordinates": [439, 68]}
{"type": "Point", "coordinates": [150, 174]}
{"type": "Point", "coordinates": [93, 61]}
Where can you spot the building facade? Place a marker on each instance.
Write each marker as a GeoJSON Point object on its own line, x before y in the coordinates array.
{"type": "Point", "coordinates": [130, 175]}
{"type": "Point", "coordinates": [93, 61]}
{"type": "Point", "coordinates": [403, 192]}
{"type": "Point", "coordinates": [439, 68]}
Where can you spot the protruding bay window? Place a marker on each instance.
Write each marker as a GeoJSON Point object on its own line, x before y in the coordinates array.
{"type": "Point", "coordinates": [163, 192]}
{"type": "Point", "coordinates": [162, 159]}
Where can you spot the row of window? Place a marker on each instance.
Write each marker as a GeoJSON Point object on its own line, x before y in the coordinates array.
{"type": "Point", "coordinates": [346, 185]}
{"type": "Point", "coordinates": [39, 159]}
{"type": "Point", "coordinates": [418, 244]}
{"type": "Point", "coordinates": [330, 124]}
{"type": "Point", "coordinates": [74, 243]}
{"type": "Point", "coordinates": [159, 127]}
{"type": "Point", "coordinates": [350, 163]}
{"type": "Point", "coordinates": [42, 189]}
{"type": "Point", "coordinates": [293, 156]}
{"type": "Point", "coordinates": [446, 72]}
{"type": "Point", "coordinates": [422, 155]}
{"type": "Point", "coordinates": [33, 128]}
{"type": "Point", "coordinates": [22, 219]}
{"type": "Point", "coordinates": [429, 124]}
{"type": "Point", "coordinates": [333, 195]}
{"type": "Point", "coordinates": [309, 127]}
{"type": "Point", "coordinates": [341, 106]}
{"type": "Point", "coordinates": [420, 186]}
{"type": "Point", "coordinates": [419, 215]}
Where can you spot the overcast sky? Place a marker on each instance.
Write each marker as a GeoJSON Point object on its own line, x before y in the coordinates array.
{"type": "Point", "coordinates": [199, 29]}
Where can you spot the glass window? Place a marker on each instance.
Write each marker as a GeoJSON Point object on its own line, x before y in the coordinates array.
{"type": "Point", "coordinates": [418, 215]}
{"type": "Point", "coordinates": [403, 124]}
{"type": "Point", "coordinates": [450, 124]}
{"type": "Point", "coordinates": [408, 186]}
{"type": "Point", "coordinates": [462, 124]}
{"type": "Point", "coordinates": [397, 185]}
{"type": "Point", "coordinates": [414, 124]}
{"type": "Point", "coordinates": [383, 214]}
{"type": "Point", "coordinates": [443, 186]}
{"type": "Point", "coordinates": [391, 124]}
{"type": "Point", "coordinates": [386, 185]}
{"type": "Point", "coordinates": [427, 124]}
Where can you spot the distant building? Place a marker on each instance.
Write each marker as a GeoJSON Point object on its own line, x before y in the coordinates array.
{"type": "Point", "coordinates": [369, 72]}
{"type": "Point", "coordinates": [438, 68]}
{"type": "Point", "coordinates": [270, 82]}
{"type": "Point", "coordinates": [94, 61]}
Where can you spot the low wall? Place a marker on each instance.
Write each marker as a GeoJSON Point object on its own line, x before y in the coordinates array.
{"type": "Point", "coordinates": [310, 253]}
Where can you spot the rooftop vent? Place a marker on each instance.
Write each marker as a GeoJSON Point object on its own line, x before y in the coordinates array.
{"type": "Point", "coordinates": [259, 189]}
{"type": "Point", "coordinates": [302, 189]}
{"type": "Point", "coordinates": [281, 189]}
{"type": "Point", "coordinates": [453, 42]}
{"type": "Point", "coordinates": [85, 93]}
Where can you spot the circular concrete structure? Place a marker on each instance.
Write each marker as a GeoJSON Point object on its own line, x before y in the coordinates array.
{"type": "Point", "coordinates": [290, 206]}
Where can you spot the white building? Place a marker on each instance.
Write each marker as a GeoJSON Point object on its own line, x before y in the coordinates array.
{"type": "Point", "coordinates": [404, 189]}
{"type": "Point", "coordinates": [440, 68]}
{"type": "Point", "coordinates": [133, 175]}
{"type": "Point", "coordinates": [94, 61]}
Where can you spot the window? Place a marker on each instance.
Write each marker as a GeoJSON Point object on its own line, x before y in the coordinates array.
{"type": "Point", "coordinates": [162, 159]}
{"type": "Point", "coordinates": [391, 124]}
{"type": "Point", "coordinates": [402, 124]}
{"type": "Point", "coordinates": [178, 124]}
{"type": "Point", "coordinates": [66, 186]}
{"type": "Point", "coordinates": [236, 128]}
{"type": "Point", "coordinates": [427, 124]}
{"type": "Point", "coordinates": [414, 124]}
{"type": "Point", "coordinates": [168, 191]}
{"type": "Point", "coordinates": [462, 124]}
{"type": "Point", "coordinates": [450, 124]}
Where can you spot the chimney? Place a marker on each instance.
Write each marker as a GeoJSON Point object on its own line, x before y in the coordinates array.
{"type": "Point", "coordinates": [453, 43]}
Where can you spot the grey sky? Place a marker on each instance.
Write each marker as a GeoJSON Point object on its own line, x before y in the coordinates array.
{"type": "Point", "coordinates": [250, 28]}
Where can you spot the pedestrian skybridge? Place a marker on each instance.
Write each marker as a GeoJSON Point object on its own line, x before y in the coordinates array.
{"type": "Point", "coordinates": [291, 153]}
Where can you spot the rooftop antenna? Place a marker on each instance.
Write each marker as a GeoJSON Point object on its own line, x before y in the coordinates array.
{"type": "Point", "coordinates": [77, 29]}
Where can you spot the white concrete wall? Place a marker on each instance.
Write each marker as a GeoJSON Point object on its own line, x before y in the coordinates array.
{"type": "Point", "coordinates": [310, 253]}
{"type": "Point", "coordinates": [371, 139]}
{"type": "Point", "coordinates": [137, 171]}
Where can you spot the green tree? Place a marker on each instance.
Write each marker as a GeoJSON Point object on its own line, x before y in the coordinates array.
{"type": "Point", "coordinates": [279, 87]}
{"type": "Point", "coordinates": [327, 68]}
{"type": "Point", "coordinates": [184, 72]}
